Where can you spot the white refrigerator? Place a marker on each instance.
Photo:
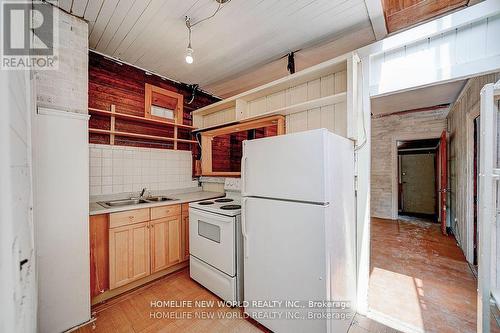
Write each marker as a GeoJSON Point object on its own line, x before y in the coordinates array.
{"type": "Point", "coordinates": [298, 224]}
{"type": "Point", "coordinates": [61, 216]}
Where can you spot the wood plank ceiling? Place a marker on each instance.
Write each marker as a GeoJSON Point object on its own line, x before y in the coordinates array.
{"type": "Point", "coordinates": [241, 46]}
{"type": "Point", "coordinates": [152, 34]}
{"type": "Point", "coordinates": [401, 14]}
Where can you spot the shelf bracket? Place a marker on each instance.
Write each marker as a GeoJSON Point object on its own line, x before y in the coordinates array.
{"type": "Point", "coordinates": [112, 126]}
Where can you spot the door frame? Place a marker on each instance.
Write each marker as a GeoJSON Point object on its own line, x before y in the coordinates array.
{"type": "Point", "coordinates": [436, 134]}
{"type": "Point", "coordinates": [489, 174]}
{"type": "Point", "coordinates": [469, 186]}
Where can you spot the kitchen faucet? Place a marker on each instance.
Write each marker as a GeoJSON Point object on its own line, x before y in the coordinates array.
{"type": "Point", "coordinates": [142, 193]}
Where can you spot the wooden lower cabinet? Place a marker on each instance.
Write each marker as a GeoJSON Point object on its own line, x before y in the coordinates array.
{"type": "Point", "coordinates": [129, 253]}
{"type": "Point", "coordinates": [99, 254]}
{"type": "Point", "coordinates": [165, 243]}
{"type": "Point", "coordinates": [137, 250]}
{"type": "Point", "coordinates": [185, 232]}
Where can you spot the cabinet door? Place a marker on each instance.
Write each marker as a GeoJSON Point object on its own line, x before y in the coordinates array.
{"type": "Point", "coordinates": [174, 240]}
{"type": "Point", "coordinates": [185, 233]}
{"type": "Point", "coordinates": [128, 254]}
{"type": "Point", "coordinates": [139, 255]}
{"type": "Point", "coordinates": [165, 243]}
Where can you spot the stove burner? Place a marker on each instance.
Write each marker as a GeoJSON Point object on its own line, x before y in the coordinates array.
{"type": "Point", "coordinates": [230, 207]}
{"type": "Point", "coordinates": [224, 200]}
{"type": "Point", "coordinates": [205, 203]}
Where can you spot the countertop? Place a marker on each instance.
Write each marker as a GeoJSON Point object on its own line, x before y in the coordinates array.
{"type": "Point", "coordinates": [95, 208]}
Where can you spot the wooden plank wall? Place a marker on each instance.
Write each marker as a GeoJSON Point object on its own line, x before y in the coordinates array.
{"type": "Point", "coordinates": [332, 117]}
{"type": "Point", "coordinates": [461, 159]}
{"type": "Point", "coordinates": [123, 85]}
{"type": "Point", "coordinates": [403, 14]}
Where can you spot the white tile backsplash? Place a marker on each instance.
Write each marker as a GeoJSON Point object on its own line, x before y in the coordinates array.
{"type": "Point", "coordinates": [117, 169]}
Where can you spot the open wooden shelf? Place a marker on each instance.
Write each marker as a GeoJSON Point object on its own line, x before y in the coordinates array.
{"type": "Point", "coordinates": [329, 83]}
{"type": "Point", "coordinates": [137, 118]}
{"type": "Point", "coordinates": [113, 133]}
{"type": "Point", "coordinates": [287, 110]}
{"type": "Point", "coordinates": [136, 135]}
{"type": "Point", "coordinates": [325, 68]}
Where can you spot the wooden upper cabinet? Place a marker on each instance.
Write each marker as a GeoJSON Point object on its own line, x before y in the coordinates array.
{"type": "Point", "coordinates": [165, 243]}
{"type": "Point", "coordinates": [163, 104]}
{"type": "Point", "coordinates": [222, 148]}
{"type": "Point", "coordinates": [129, 252]}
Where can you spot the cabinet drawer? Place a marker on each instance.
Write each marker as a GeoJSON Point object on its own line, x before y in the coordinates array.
{"type": "Point", "coordinates": [128, 217]}
{"type": "Point", "coordinates": [165, 211]}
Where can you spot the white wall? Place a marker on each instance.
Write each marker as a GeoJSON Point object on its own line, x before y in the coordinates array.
{"type": "Point", "coordinates": [67, 88]}
{"type": "Point", "coordinates": [18, 290]}
{"type": "Point", "coordinates": [456, 46]}
{"type": "Point", "coordinates": [385, 132]}
{"type": "Point", "coordinates": [119, 169]}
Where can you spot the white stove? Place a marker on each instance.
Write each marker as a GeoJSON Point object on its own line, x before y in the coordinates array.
{"type": "Point", "coordinates": [215, 243]}
{"type": "Point", "coordinates": [228, 206]}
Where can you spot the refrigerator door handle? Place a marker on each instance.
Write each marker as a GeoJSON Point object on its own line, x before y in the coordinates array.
{"type": "Point", "coordinates": [244, 229]}
{"type": "Point", "coordinates": [243, 175]}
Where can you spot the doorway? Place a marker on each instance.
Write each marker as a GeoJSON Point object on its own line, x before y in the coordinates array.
{"type": "Point", "coordinates": [417, 179]}
{"type": "Point", "coordinates": [475, 191]}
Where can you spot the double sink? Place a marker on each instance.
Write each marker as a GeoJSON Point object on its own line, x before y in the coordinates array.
{"type": "Point", "coordinates": [134, 201]}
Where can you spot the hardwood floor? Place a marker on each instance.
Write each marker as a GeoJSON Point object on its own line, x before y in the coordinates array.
{"type": "Point", "coordinates": [132, 312]}
{"type": "Point", "coordinates": [420, 279]}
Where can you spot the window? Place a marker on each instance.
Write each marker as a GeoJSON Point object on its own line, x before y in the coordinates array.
{"type": "Point", "coordinates": [163, 104]}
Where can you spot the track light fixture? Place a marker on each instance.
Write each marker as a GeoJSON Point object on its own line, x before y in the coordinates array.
{"type": "Point", "coordinates": [189, 25]}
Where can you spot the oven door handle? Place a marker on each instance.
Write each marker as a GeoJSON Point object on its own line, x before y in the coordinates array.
{"type": "Point", "coordinates": [244, 228]}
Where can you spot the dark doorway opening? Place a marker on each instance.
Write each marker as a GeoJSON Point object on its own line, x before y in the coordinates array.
{"type": "Point", "coordinates": [418, 182]}
{"type": "Point", "coordinates": [476, 184]}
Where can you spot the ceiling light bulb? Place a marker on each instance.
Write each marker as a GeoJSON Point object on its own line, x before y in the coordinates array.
{"type": "Point", "coordinates": [189, 56]}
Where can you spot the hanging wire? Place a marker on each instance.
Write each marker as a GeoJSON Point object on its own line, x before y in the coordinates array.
{"type": "Point", "coordinates": [219, 7]}
{"type": "Point", "coordinates": [194, 89]}
{"type": "Point", "coordinates": [190, 25]}
{"type": "Point", "coordinates": [360, 146]}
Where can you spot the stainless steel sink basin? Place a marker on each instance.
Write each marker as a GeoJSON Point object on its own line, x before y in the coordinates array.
{"type": "Point", "coordinates": [128, 202]}
{"type": "Point", "coordinates": [122, 202]}
{"type": "Point", "coordinates": [159, 199]}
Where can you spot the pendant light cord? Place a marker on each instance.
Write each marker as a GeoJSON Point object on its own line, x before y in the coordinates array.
{"type": "Point", "coordinates": [188, 22]}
